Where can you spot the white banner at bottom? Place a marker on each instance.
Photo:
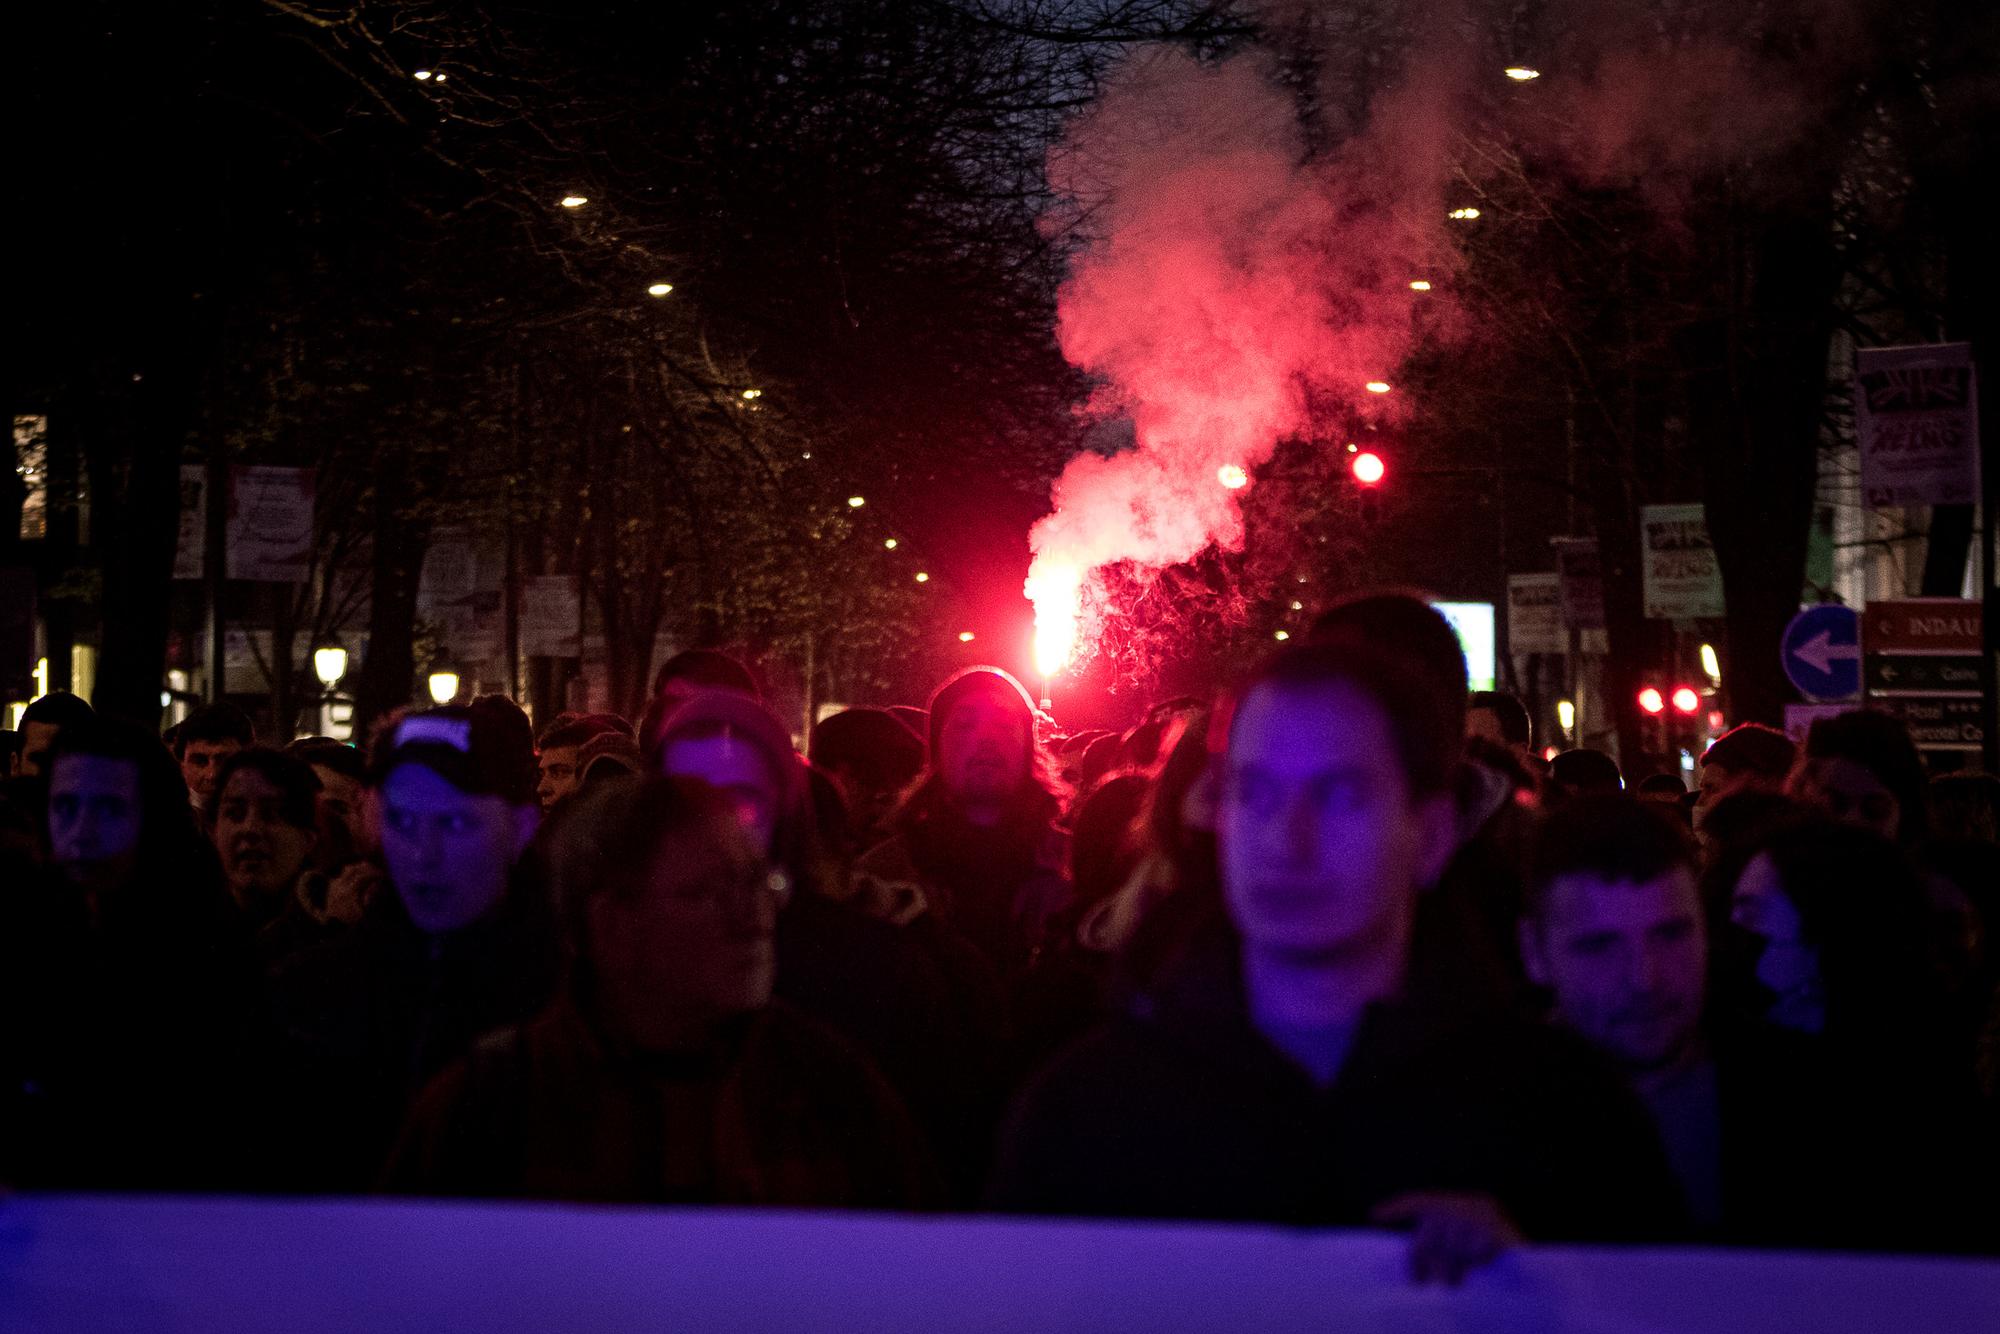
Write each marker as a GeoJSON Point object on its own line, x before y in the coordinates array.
{"type": "Point", "coordinates": [220, 1266]}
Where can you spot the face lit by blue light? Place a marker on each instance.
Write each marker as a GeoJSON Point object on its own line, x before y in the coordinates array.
{"type": "Point", "coordinates": [449, 852]}
{"type": "Point", "coordinates": [1323, 846]}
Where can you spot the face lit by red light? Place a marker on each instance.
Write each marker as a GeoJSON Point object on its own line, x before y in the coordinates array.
{"type": "Point", "coordinates": [983, 750]}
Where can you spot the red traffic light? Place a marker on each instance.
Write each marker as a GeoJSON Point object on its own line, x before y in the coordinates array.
{"type": "Point", "coordinates": [1652, 701]}
{"type": "Point", "coordinates": [1368, 468]}
{"type": "Point", "coordinates": [1687, 699]}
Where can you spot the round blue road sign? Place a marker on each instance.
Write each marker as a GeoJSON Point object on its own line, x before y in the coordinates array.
{"type": "Point", "coordinates": [1822, 652]}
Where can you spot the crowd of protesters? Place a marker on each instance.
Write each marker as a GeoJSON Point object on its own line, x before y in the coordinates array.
{"type": "Point", "coordinates": [1336, 948]}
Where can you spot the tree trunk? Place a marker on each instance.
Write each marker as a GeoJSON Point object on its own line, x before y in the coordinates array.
{"type": "Point", "coordinates": [389, 670]}
{"type": "Point", "coordinates": [1757, 396]}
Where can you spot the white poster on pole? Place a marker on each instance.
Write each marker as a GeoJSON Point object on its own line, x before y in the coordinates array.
{"type": "Point", "coordinates": [1681, 579]}
{"type": "Point", "coordinates": [1916, 412]}
{"type": "Point", "coordinates": [1534, 614]}
{"type": "Point", "coordinates": [270, 524]}
{"type": "Point", "coordinates": [191, 546]}
{"type": "Point", "coordinates": [450, 571]}
{"type": "Point", "coordinates": [550, 617]}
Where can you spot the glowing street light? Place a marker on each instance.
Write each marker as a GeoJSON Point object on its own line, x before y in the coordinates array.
{"type": "Point", "coordinates": [1463, 214]}
{"type": "Point", "coordinates": [1377, 386]}
{"type": "Point", "coordinates": [659, 289]}
{"type": "Point", "coordinates": [1298, 605]}
{"type": "Point", "coordinates": [1232, 476]}
{"type": "Point", "coordinates": [443, 686]}
{"type": "Point", "coordinates": [330, 664]}
{"type": "Point", "coordinates": [1420, 285]}
{"type": "Point", "coordinates": [1566, 715]}
{"type": "Point", "coordinates": [889, 544]}
{"type": "Point", "coordinates": [1710, 664]}
{"type": "Point", "coordinates": [1522, 73]}
{"type": "Point", "coordinates": [965, 636]}
{"type": "Point", "coordinates": [421, 75]}
{"type": "Point", "coordinates": [1282, 635]}
{"type": "Point", "coordinates": [753, 393]}
{"type": "Point", "coordinates": [856, 502]}
{"type": "Point", "coordinates": [1368, 469]}
{"type": "Point", "coordinates": [574, 201]}
{"type": "Point", "coordinates": [923, 578]}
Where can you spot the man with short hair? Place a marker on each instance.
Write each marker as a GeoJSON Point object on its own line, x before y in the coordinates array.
{"type": "Point", "coordinates": [1614, 933]}
{"type": "Point", "coordinates": [1320, 1058]}
{"type": "Point", "coordinates": [41, 723]}
{"type": "Point", "coordinates": [1753, 1118]}
{"type": "Point", "coordinates": [1749, 757]}
{"type": "Point", "coordinates": [210, 735]}
{"type": "Point", "coordinates": [558, 758]}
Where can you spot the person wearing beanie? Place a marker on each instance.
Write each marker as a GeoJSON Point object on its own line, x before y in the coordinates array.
{"type": "Point", "coordinates": [462, 945]}
{"type": "Point", "coordinates": [977, 835]}
{"type": "Point", "coordinates": [915, 998]}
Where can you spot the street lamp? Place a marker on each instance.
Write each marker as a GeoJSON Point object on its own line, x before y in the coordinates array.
{"type": "Point", "coordinates": [965, 636]}
{"type": "Point", "coordinates": [329, 664]}
{"type": "Point", "coordinates": [1566, 716]}
{"type": "Point", "coordinates": [575, 201]}
{"type": "Point", "coordinates": [659, 289]}
{"type": "Point", "coordinates": [443, 682]}
{"type": "Point", "coordinates": [1522, 73]}
{"type": "Point", "coordinates": [856, 502]}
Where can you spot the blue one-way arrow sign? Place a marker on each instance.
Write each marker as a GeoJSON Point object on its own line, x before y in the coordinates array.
{"type": "Point", "coordinates": [1822, 652]}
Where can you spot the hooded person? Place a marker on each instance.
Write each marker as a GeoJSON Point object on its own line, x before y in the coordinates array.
{"type": "Point", "coordinates": [977, 835]}
{"type": "Point", "coordinates": [914, 998]}
{"type": "Point", "coordinates": [461, 943]}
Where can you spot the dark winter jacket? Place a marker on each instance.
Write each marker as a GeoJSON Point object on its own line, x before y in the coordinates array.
{"type": "Point", "coordinates": [776, 1110]}
{"type": "Point", "coordinates": [1184, 1110]}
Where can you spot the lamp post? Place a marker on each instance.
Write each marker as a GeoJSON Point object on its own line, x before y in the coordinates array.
{"type": "Point", "coordinates": [329, 665]}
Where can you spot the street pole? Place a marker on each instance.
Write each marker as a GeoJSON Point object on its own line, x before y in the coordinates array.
{"type": "Point", "coordinates": [215, 558]}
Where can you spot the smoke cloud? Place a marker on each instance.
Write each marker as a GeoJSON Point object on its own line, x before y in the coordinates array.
{"type": "Point", "coordinates": [1224, 275]}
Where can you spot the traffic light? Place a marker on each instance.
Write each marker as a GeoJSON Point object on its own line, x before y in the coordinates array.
{"type": "Point", "coordinates": [1651, 701]}
{"type": "Point", "coordinates": [1368, 468]}
{"type": "Point", "coordinates": [1686, 699]}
